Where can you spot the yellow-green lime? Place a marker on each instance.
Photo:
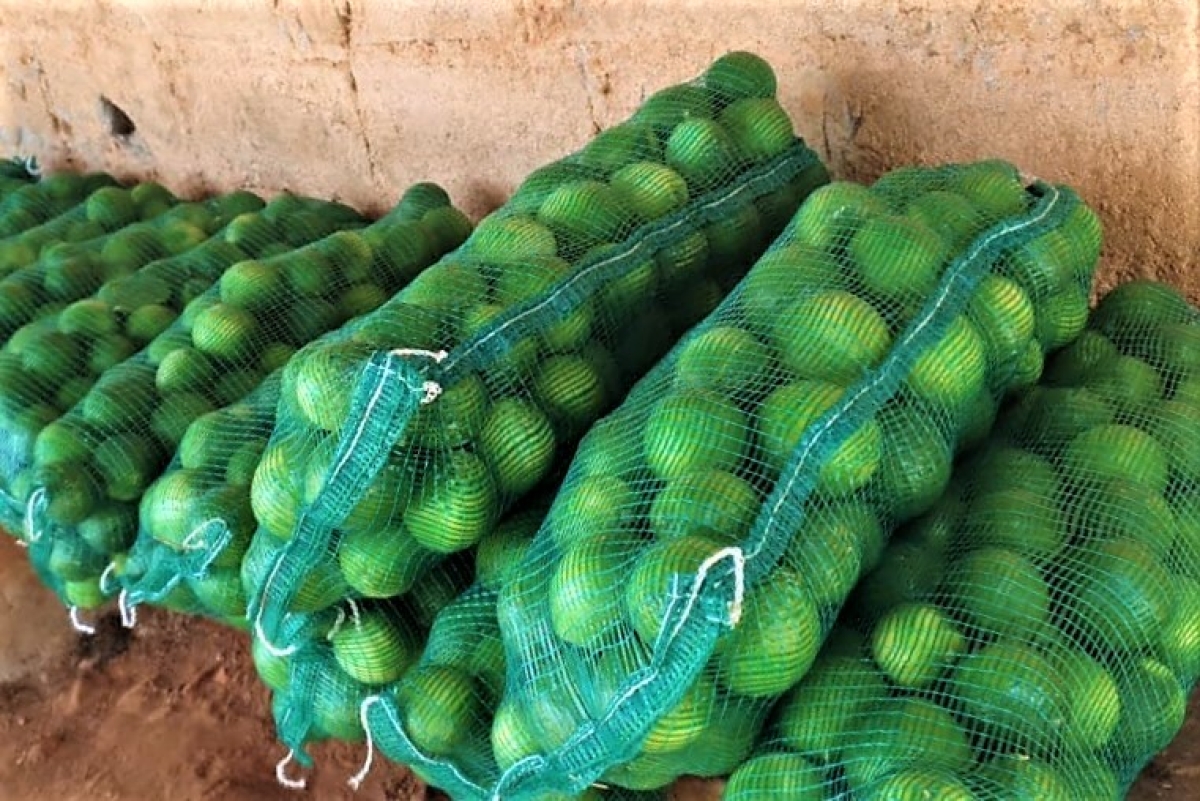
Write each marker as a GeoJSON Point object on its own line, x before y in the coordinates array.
{"type": "Point", "coordinates": [1078, 361]}
{"type": "Point", "coordinates": [902, 733]}
{"type": "Point", "coordinates": [1153, 708]}
{"type": "Point", "coordinates": [1000, 591]}
{"type": "Point", "coordinates": [949, 215]}
{"type": "Point", "coordinates": [456, 508]}
{"type": "Point", "coordinates": [373, 648]}
{"type": "Point", "coordinates": [1003, 316]}
{"type": "Point", "coordinates": [952, 372]}
{"type": "Point", "coordinates": [592, 504]}
{"type": "Point", "coordinates": [831, 335]}
{"type": "Point", "coordinates": [915, 467]}
{"type": "Point", "coordinates": [776, 776]}
{"type": "Point", "coordinates": [1013, 694]}
{"type": "Point", "coordinates": [831, 547]}
{"type": "Point", "coordinates": [759, 127]}
{"type": "Point", "coordinates": [440, 705]}
{"type": "Point", "coordinates": [740, 74]}
{"type": "Point", "coordinates": [1117, 451]}
{"type": "Point", "coordinates": [994, 186]}
{"type": "Point", "coordinates": [1179, 645]}
{"type": "Point", "coordinates": [919, 784]}
{"type": "Point", "coordinates": [693, 429]}
{"type": "Point", "coordinates": [897, 258]}
{"type": "Point", "coordinates": [915, 643]}
{"type": "Point", "coordinates": [714, 503]}
{"type": "Point", "coordinates": [815, 714]}
{"type": "Point", "coordinates": [1118, 595]}
{"type": "Point", "coordinates": [517, 442]}
{"type": "Point", "coordinates": [1093, 701]}
{"type": "Point", "coordinates": [1017, 518]}
{"type": "Point", "coordinates": [651, 189]}
{"type": "Point", "coordinates": [681, 725]}
{"type": "Point", "coordinates": [587, 589]}
{"type": "Point", "coordinates": [650, 586]}
{"type": "Point", "coordinates": [703, 152]}
{"type": "Point", "coordinates": [833, 212]}
{"type": "Point", "coordinates": [776, 277]}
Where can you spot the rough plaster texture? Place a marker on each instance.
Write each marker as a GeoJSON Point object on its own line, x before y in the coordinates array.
{"type": "Point", "coordinates": [357, 98]}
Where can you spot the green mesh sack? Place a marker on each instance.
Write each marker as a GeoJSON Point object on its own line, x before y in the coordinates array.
{"type": "Point", "coordinates": [16, 173]}
{"type": "Point", "coordinates": [48, 365]}
{"type": "Point", "coordinates": [710, 529]}
{"type": "Point", "coordinates": [464, 391]}
{"type": "Point", "coordinates": [432, 658]}
{"type": "Point", "coordinates": [33, 204]}
{"type": "Point", "coordinates": [92, 465]}
{"type": "Point", "coordinates": [1037, 633]}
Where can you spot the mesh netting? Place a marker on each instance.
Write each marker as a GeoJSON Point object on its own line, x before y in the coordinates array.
{"type": "Point", "coordinates": [1035, 636]}
{"type": "Point", "coordinates": [91, 466]}
{"type": "Point", "coordinates": [197, 520]}
{"type": "Point", "coordinates": [28, 206]}
{"type": "Point", "coordinates": [15, 173]}
{"type": "Point", "coordinates": [408, 435]}
{"type": "Point", "coordinates": [665, 603]}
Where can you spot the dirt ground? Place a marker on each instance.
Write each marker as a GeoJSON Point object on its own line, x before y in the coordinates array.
{"type": "Point", "coordinates": [172, 709]}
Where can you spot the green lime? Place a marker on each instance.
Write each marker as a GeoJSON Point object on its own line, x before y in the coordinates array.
{"type": "Point", "coordinates": [1127, 312]}
{"type": "Point", "coordinates": [949, 215]}
{"type": "Point", "coordinates": [629, 293]}
{"type": "Point", "coordinates": [439, 705]}
{"type": "Point", "coordinates": [219, 593]}
{"type": "Point", "coordinates": [1116, 509]}
{"type": "Point", "coordinates": [185, 370]}
{"type": "Point", "coordinates": [1017, 518]}
{"type": "Point", "coordinates": [712, 503]}
{"type": "Point", "coordinates": [255, 286]}
{"type": "Point", "coordinates": [1013, 694]}
{"type": "Point", "coordinates": [666, 108]}
{"type": "Point", "coordinates": [724, 358]}
{"type": "Point", "coordinates": [586, 212]}
{"type": "Point", "coordinates": [692, 429]}
{"type": "Point", "coordinates": [1175, 349]}
{"type": "Point", "coordinates": [619, 146]}
{"type": "Point", "coordinates": [517, 441]}
{"type": "Point", "coordinates": [1056, 415]}
{"type": "Point", "coordinates": [759, 127]}
{"type": "Point", "coordinates": [1153, 708]}
{"type": "Point", "coordinates": [512, 240]}
{"type": "Point", "coordinates": [779, 276]}
{"type": "Point", "coordinates": [833, 548]}
{"type": "Point", "coordinates": [908, 571]}
{"type": "Point", "coordinates": [734, 239]}
{"type": "Point", "coordinates": [815, 714]}
{"type": "Point", "coordinates": [225, 331]}
{"type": "Point", "coordinates": [1093, 701]}
{"type": "Point", "coordinates": [1079, 361]}
{"type": "Point", "coordinates": [1003, 315]}
{"type": "Point", "coordinates": [111, 529]}
{"type": "Point", "coordinates": [91, 317]}
{"type": "Point", "coordinates": [501, 552]}
{"type": "Point", "coordinates": [651, 189]}
{"type": "Point", "coordinates": [650, 586]}
{"type": "Point", "coordinates": [952, 372]}
{"type": "Point", "coordinates": [373, 648]}
{"type": "Point", "coordinates": [993, 186]}
{"type": "Point", "coordinates": [918, 784]}
{"type": "Point", "coordinates": [571, 393]}
{"type": "Point", "coordinates": [459, 505]}
{"type": "Point", "coordinates": [455, 417]}
{"type": "Point", "coordinates": [335, 706]}
{"type": "Point", "coordinates": [586, 591]}
{"type": "Point", "coordinates": [915, 468]}
{"type": "Point", "coordinates": [112, 208]}
{"type": "Point", "coordinates": [382, 561]}
{"type": "Point", "coordinates": [791, 410]}
{"type": "Point", "coordinates": [127, 463]}
{"type": "Point", "coordinates": [915, 643]}
{"type": "Point", "coordinates": [831, 335]}
{"type": "Point", "coordinates": [167, 505]}
{"type": "Point", "coordinates": [681, 725]}
{"type": "Point", "coordinates": [591, 504]}
{"type": "Point", "coordinates": [1061, 317]}
{"type": "Point", "coordinates": [176, 412]}
{"type": "Point", "coordinates": [777, 639]}
{"type": "Point", "coordinates": [1115, 451]}
{"type": "Point", "coordinates": [766, 776]}
{"type": "Point", "coordinates": [1018, 777]}
{"type": "Point", "coordinates": [684, 262]}
{"type": "Point", "coordinates": [703, 152]}
{"type": "Point", "coordinates": [72, 493]}
{"type": "Point", "coordinates": [274, 493]}
{"type": "Point", "coordinates": [897, 258]}
{"type": "Point", "coordinates": [740, 74]}
{"type": "Point", "coordinates": [1179, 644]}
{"type": "Point", "coordinates": [1000, 591]}
{"type": "Point", "coordinates": [902, 733]}
{"type": "Point", "coordinates": [511, 737]}
{"type": "Point", "coordinates": [1118, 595]}
{"type": "Point", "coordinates": [834, 212]}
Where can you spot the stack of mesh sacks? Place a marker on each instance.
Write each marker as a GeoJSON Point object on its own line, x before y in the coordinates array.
{"type": "Point", "coordinates": [52, 209]}
{"type": "Point", "coordinates": [405, 439]}
{"type": "Point", "coordinates": [196, 522]}
{"type": "Point", "coordinates": [1036, 635]}
{"type": "Point", "coordinates": [90, 467]}
{"type": "Point", "coordinates": [709, 530]}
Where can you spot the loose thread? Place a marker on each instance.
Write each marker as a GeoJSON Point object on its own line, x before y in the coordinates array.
{"type": "Point", "coordinates": [281, 773]}
{"type": "Point", "coordinates": [78, 624]}
{"type": "Point", "coordinates": [357, 779]}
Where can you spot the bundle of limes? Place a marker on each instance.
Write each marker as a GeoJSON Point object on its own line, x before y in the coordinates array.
{"type": "Point", "coordinates": [710, 529]}
{"type": "Point", "coordinates": [92, 465]}
{"type": "Point", "coordinates": [408, 437]}
{"type": "Point", "coordinates": [1036, 635]}
{"type": "Point", "coordinates": [30, 206]}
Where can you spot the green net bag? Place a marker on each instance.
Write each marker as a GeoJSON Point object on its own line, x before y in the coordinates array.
{"type": "Point", "coordinates": [709, 529]}
{"type": "Point", "coordinates": [31, 205]}
{"type": "Point", "coordinates": [50, 364]}
{"type": "Point", "coordinates": [464, 391]}
{"type": "Point", "coordinates": [16, 173]}
{"type": "Point", "coordinates": [92, 465]}
{"type": "Point", "coordinates": [197, 519]}
{"type": "Point", "coordinates": [1035, 635]}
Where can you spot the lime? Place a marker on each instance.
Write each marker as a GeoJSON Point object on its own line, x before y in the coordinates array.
{"type": "Point", "coordinates": [1080, 360]}
{"type": "Point", "coordinates": [734, 239]}
{"type": "Point", "coordinates": [619, 146]}
{"type": "Point", "coordinates": [740, 74]}
{"type": "Point", "coordinates": [902, 733]}
{"type": "Point", "coordinates": [1000, 591]}
{"type": "Point", "coordinates": [815, 714]}
{"type": "Point", "coordinates": [781, 775]}
{"type": "Point", "coordinates": [253, 285]}
{"type": "Point", "coordinates": [915, 467]}
{"type": "Point", "coordinates": [1061, 317]}
{"type": "Point", "coordinates": [833, 212]}
{"type": "Point", "coordinates": [185, 370]}
{"type": "Point", "coordinates": [382, 561]}
{"type": "Point", "coordinates": [591, 504]}
{"type": "Point", "coordinates": [651, 189]}
{"type": "Point", "coordinates": [693, 303]}
{"type": "Point", "coordinates": [915, 643]}
{"type": "Point", "coordinates": [1153, 708]}
{"type": "Point", "coordinates": [627, 294]}
{"type": "Point", "coordinates": [167, 505]}
{"type": "Point", "coordinates": [274, 493]}
{"type": "Point", "coordinates": [458, 506]}
{"type": "Point", "coordinates": [1019, 519]}
{"type": "Point", "coordinates": [1056, 415]}
{"type": "Point", "coordinates": [684, 262]}
{"type": "Point", "coordinates": [790, 411]}
{"type": "Point", "coordinates": [91, 317]}
{"type": "Point", "coordinates": [908, 571]}
{"type": "Point", "coordinates": [585, 212]}
{"type": "Point", "coordinates": [1093, 702]}
{"type": "Point", "coordinates": [1179, 645]}
{"type": "Point", "coordinates": [225, 331]}
{"type": "Point", "coordinates": [1003, 316]}
{"type": "Point", "coordinates": [759, 127]}
{"type": "Point", "coordinates": [918, 784]}
{"type": "Point", "coordinates": [713, 503]}
{"type": "Point", "coordinates": [1115, 451]}
{"type": "Point", "coordinates": [1127, 383]}
{"type": "Point", "coordinates": [1116, 509]}
{"type": "Point", "coordinates": [455, 417]}
{"type": "Point", "coordinates": [897, 258]}
{"type": "Point", "coordinates": [724, 744]}
{"type": "Point", "coordinates": [335, 707]}
{"type": "Point", "coordinates": [111, 529]}
{"type": "Point", "coordinates": [724, 358]}
{"type": "Point", "coordinates": [517, 441]}
{"type": "Point", "coordinates": [586, 590]}
{"type": "Point", "coordinates": [511, 737]}
{"type": "Point", "coordinates": [667, 107]}
{"type": "Point", "coordinates": [777, 207]}
{"type": "Point", "coordinates": [502, 551]}
{"type": "Point", "coordinates": [952, 372]}
{"type": "Point", "coordinates": [1118, 595]}
{"type": "Point", "coordinates": [781, 274]}
{"type": "Point", "coordinates": [373, 648]}
{"type": "Point", "coordinates": [650, 588]}
{"type": "Point", "coordinates": [440, 704]}
{"type": "Point", "coordinates": [72, 560]}
{"type": "Point", "coordinates": [1175, 349]}
{"type": "Point", "coordinates": [993, 186]}
{"type": "Point", "coordinates": [1013, 694]}
{"type": "Point", "coordinates": [681, 725]}
{"type": "Point", "coordinates": [53, 357]}
{"type": "Point", "coordinates": [72, 494]}
{"type": "Point", "coordinates": [703, 152]}
{"type": "Point", "coordinates": [173, 416]}
{"type": "Point", "coordinates": [406, 248]}
{"type": "Point", "coordinates": [85, 593]}
{"type": "Point", "coordinates": [111, 207]}
{"type": "Point", "coordinates": [693, 429]}
{"type": "Point", "coordinates": [1127, 312]}
{"type": "Point", "coordinates": [949, 215]}
{"type": "Point", "coordinates": [127, 463]}
{"type": "Point", "coordinates": [219, 593]}
{"type": "Point", "coordinates": [832, 548]}
{"type": "Point", "coordinates": [831, 335]}
{"type": "Point", "coordinates": [512, 240]}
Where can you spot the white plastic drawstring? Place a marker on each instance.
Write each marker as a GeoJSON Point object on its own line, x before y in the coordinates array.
{"type": "Point", "coordinates": [357, 779]}
{"type": "Point", "coordinates": [32, 167]}
{"type": "Point", "coordinates": [340, 620]}
{"type": "Point", "coordinates": [281, 773]}
{"type": "Point", "coordinates": [432, 388]}
{"type": "Point", "coordinates": [128, 611]}
{"type": "Point", "coordinates": [108, 571]}
{"type": "Point", "coordinates": [30, 534]}
{"type": "Point", "coordinates": [272, 649]}
{"type": "Point", "coordinates": [739, 581]}
{"type": "Point", "coordinates": [79, 625]}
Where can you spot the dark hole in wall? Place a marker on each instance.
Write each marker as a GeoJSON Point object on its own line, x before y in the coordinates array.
{"type": "Point", "coordinates": [119, 123]}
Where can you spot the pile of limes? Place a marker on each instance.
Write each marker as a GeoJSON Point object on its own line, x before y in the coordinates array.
{"type": "Point", "coordinates": [1048, 631]}
{"type": "Point", "coordinates": [549, 312]}
{"type": "Point", "coordinates": [31, 211]}
{"type": "Point", "coordinates": [92, 465]}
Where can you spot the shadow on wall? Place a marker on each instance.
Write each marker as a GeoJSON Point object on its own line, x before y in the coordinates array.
{"type": "Point", "coordinates": [352, 100]}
